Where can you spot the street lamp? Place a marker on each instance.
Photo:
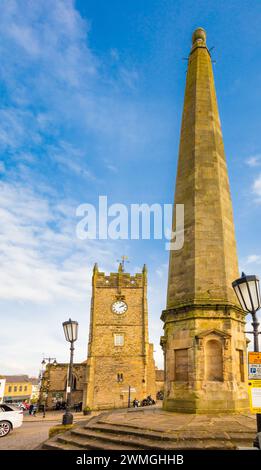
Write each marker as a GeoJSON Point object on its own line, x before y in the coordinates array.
{"type": "Point", "coordinates": [71, 333]}
{"type": "Point", "coordinates": [247, 290]}
{"type": "Point", "coordinates": [248, 293]}
{"type": "Point", "coordinates": [45, 382]}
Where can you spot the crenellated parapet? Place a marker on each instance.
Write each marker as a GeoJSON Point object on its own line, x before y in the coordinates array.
{"type": "Point", "coordinates": [122, 279]}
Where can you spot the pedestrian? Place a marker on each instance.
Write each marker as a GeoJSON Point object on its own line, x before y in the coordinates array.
{"type": "Point", "coordinates": [135, 403]}
{"type": "Point", "coordinates": [31, 407]}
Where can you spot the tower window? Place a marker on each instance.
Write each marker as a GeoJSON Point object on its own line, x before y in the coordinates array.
{"type": "Point", "coordinates": [118, 340]}
{"type": "Point", "coordinates": [120, 378]}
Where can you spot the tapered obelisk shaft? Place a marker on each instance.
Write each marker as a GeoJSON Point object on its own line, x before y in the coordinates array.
{"type": "Point", "coordinates": [204, 342]}
{"type": "Point", "coordinates": [207, 264]}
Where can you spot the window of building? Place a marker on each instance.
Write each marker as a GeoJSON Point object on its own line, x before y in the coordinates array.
{"type": "Point", "coordinates": [118, 339]}
{"type": "Point", "coordinates": [74, 382]}
{"type": "Point", "coordinates": [120, 377]}
{"type": "Point", "coordinates": [241, 365]}
{"type": "Point", "coordinates": [214, 361]}
{"type": "Point", "coordinates": [20, 388]}
{"type": "Point", "coordinates": [25, 388]}
{"type": "Point", "coordinates": [15, 388]}
{"type": "Point", "coordinates": [9, 388]}
{"type": "Point", "coordinates": [181, 365]}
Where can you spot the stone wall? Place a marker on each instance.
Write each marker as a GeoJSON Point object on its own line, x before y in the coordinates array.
{"type": "Point", "coordinates": [57, 378]}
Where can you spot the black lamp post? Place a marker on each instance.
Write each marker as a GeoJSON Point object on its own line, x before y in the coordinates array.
{"type": "Point", "coordinates": [45, 382]}
{"type": "Point", "coordinates": [71, 333]}
{"type": "Point", "coordinates": [247, 290]}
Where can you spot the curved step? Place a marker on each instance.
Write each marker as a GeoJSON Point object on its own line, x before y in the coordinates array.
{"type": "Point", "coordinates": [143, 442]}
{"type": "Point", "coordinates": [93, 443]}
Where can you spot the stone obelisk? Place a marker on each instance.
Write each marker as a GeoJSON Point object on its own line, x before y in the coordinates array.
{"type": "Point", "coordinates": [204, 342]}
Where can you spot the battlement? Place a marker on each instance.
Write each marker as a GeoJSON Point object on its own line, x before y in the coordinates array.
{"type": "Point", "coordinates": [121, 278]}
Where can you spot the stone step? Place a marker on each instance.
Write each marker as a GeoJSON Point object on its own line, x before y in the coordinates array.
{"type": "Point", "coordinates": [188, 433]}
{"type": "Point", "coordinates": [94, 442]}
{"type": "Point", "coordinates": [55, 445]}
{"type": "Point", "coordinates": [235, 438]}
{"type": "Point", "coordinates": [143, 440]}
{"type": "Point", "coordinates": [129, 430]}
{"type": "Point", "coordinates": [175, 435]}
{"type": "Point", "coordinates": [136, 442]}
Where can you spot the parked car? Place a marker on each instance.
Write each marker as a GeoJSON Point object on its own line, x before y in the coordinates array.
{"type": "Point", "coordinates": [11, 417]}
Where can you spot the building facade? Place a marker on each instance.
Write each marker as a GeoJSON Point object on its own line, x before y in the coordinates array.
{"type": "Point", "coordinates": [204, 341]}
{"type": "Point", "coordinates": [120, 364]}
{"type": "Point", "coordinates": [18, 388]}
{"type": "Point", "coordinates": [54, 384]}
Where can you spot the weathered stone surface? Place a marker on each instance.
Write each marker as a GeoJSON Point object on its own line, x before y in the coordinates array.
{"type": "Point", "coordinates": [155, 429]}
{"type": "Point", "coordinates": [202, 314]}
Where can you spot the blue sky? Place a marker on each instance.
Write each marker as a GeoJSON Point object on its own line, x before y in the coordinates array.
{"type": "Point", "coordinates": [91, 102]}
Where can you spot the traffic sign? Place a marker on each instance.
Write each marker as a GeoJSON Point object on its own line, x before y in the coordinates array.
{"type": "Point", "coordinates": [254, 389]}
{"type": "Point", "coordinates": [254, 365]}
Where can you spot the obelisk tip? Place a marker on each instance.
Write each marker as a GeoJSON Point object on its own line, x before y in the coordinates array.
{"type": "Point", "coordinates": [199, 35]}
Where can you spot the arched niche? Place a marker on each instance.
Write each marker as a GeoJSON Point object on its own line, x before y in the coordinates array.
{"type": "Point", "coordinates": [214, 360]}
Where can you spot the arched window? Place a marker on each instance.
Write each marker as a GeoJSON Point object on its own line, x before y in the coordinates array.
{"type": "Point", "coordinates": [119, 377]}
{"type": "Point", "coordinates": [214, 361]}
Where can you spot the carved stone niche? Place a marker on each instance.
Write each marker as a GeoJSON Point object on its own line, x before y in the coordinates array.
{"type": "Point", "coordinates": [214, 342]}
{"type": "Point", "coordinates": [212, 334]}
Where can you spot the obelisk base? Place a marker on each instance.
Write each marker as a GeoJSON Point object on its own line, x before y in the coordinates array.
{"type": "Point", "coordinates": [206, 359]}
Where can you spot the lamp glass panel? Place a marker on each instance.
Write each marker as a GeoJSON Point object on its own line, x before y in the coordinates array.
{"type": "Point", "coordinates": [65, 328]}
{"type": "Point", "coordinates": [74, 330]}
{"type": "Point", "coordinates": [253, 290]}
{"type": "Point", "coordinates": [239, 296]}
{"type": "Point", "coordinates": [258, 293]}
{"type": "Point", "coordinates": [246, 297]}
{"type": "Point", "coordinates": [71, 331]}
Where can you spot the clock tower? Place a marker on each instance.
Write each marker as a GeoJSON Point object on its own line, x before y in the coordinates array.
{"type": "Point", "coordinates": [120, 360]}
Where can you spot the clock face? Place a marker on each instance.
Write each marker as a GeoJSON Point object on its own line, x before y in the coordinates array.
{"type": "Point", "coordinates": [119, 307]}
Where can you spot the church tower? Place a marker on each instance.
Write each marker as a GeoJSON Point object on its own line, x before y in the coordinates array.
{"type": "Point", "coordinates": [120, 362]}
{"type": "Point", "coordinates": [204, 342]}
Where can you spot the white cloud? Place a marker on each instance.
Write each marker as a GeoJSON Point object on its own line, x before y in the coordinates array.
{"type": "Point", "coordinates": [254, 160]}
{"type": "Point", "coordinates": [65, 105]}
{"type": "Point", "coordinates": [253, 259]}
{"type": "Point", "coordinates": [257, 186]}
{"type": "Point", "coordinates": [41, 259]}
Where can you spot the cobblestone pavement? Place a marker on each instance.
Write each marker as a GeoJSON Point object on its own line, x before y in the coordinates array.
{"type": "Point", "coordinates": [28, 436]}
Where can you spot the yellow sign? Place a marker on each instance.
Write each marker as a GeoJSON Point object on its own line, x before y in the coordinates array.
{"type": "Point", "coordinates": [254, 390]}
{"type": "Point", "coordinates": [254, 357]}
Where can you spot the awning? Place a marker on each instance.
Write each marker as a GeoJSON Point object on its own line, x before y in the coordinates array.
{"type": "Point", "coordinates": [20, 398]}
